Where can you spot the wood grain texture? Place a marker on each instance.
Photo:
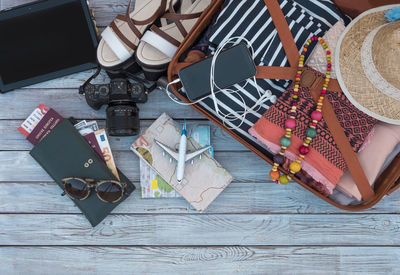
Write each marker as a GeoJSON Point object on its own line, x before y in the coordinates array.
{"type": "Point", "coordinates": [12, 140]}
{"type": "Point", "coordinates": [204, 260]}
{"type": "Point", "coordinates": [241, 198]}
{"type": "Point", "coordinates": [20, 166]}
{"type": "Point", "coordinates": [201, 229]}
{"type": "Point", "coordinates": [69, 103]}
{"type": "Point", "coordinates": [253, 227]}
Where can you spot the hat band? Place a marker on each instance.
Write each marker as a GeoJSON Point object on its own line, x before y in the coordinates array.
{"type": "Point", "coordinates": [370, 70]}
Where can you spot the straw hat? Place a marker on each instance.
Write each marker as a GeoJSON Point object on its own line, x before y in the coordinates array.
{"type": "Point", "coordinates": [368, 64]}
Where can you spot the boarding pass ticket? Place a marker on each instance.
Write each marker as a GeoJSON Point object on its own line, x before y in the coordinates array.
{"type": "Point", "coordinates": [33, 119]}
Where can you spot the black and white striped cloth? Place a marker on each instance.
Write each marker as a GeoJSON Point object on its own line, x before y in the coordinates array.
{"type": "Point", "coordinates": [251, 19]}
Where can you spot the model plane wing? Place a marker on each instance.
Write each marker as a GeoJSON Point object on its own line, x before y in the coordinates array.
{"type": "Point", "coordinates": [174, 154]}
{"type": "Point", "coordinates": [194, 154]}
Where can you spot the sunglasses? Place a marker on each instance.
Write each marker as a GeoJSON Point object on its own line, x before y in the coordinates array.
{"type": "Point", "coordinates": [106, 190]}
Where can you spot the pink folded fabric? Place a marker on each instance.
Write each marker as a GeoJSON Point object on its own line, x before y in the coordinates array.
{"type": "Point", "coordinates": [381, 144]}
{"type": "Point", "coordinates": [324, 162]}
{"type": "Point", "coordinates": [317, 59]}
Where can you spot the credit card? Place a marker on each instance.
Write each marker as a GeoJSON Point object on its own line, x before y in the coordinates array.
{"type": "Point", "coordinates": [33, 119]}
{"type": "Point", "coordinates": [49, 121]}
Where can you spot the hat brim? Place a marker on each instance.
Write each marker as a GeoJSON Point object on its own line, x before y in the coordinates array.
{"type": "Point", "coordinates": [352, 79]}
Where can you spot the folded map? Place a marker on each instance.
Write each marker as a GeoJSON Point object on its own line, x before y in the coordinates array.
{"type": "Point", "coordinates": [152, 185]}
{"type": "Point", "coordinates": [203, 181]}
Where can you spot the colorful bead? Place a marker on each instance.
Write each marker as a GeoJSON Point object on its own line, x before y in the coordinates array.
{"type": "Point", "coordinates": [290, 123]}
{"type": "Point", "coordinates": [274, 175]}
{"type": "Point", "coordinates": [315, 115]}
{"type": "Point", "coordinates": [283, 179]}
{"type": "Point", "coordinates": [304, 150]}
{"type": "Point", "coordinates": [285, 141]}
{"type": "Point", "coordinates": [311, 132]}
{"type": "Point", "coordinates": [279, 159]}
{"type": "Point", "coordinates": [295, 167]}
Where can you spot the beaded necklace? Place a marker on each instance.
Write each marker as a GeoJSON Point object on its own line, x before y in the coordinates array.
{"type": "Point", "coordinates": [290, 123]}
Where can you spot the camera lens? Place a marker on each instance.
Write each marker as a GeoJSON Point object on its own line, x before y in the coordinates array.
{"type": "Point", "coordinates": [123, 120]}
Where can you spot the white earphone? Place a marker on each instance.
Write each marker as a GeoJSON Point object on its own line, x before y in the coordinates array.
{"type": "Point", "coordinates": [234, 116]}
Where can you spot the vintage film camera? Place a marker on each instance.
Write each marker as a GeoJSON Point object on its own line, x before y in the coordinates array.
{"type": "Point", "coordinates": [122, 113]}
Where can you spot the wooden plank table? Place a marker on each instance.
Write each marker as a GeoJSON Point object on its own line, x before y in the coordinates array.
{"type": "Point", "coordinates": [254, 226]}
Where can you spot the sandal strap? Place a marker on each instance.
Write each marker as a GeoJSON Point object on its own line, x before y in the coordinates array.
{"type": "Point", "coordinates": [132, 23]}
{"type": "Point", "coordinates": [115, 43]}
{"type": "Point", "coordinates": [161, 10]}
{"type": "Point", "coordinates": [132, 26]}
{"type": "Point", "coordinates": [166, 36]}
{"type": "Point", "coordinates": [176, 18]}
{"type": "Point", "coordinates": [121, 36]}
{"type": "Point", "coordinates": [160, 43]}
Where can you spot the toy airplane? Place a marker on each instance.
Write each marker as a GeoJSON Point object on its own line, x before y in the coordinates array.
{"type": "Point", "coordinates": [181, 156]}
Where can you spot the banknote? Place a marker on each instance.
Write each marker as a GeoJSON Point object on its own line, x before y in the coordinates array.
{"type": "Point", "coordinates": [105, 148]}
{"type": "Point", "coordinates": [80, 124]}
{"type": "Point", "coordinates": [85, 127]}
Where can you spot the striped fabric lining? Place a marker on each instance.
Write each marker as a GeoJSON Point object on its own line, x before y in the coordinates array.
{"type": "Point", "coordinates": [251, 19]}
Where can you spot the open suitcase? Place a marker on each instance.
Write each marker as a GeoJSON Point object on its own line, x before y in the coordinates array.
{"type": "Point", "coordinates": [385, 184]}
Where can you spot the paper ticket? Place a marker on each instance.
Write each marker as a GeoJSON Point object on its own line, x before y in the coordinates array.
{"type": "Point", "coordinates": [33, 119]}
{"type": "Point", "coordinates": [105, 147]}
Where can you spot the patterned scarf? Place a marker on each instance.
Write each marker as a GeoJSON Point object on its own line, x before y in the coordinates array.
{"type": "Point", "coordinates": [324, 162]}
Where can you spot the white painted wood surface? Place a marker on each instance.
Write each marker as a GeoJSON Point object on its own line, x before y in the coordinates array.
{"type": "Point", "coordinates": [253, 227]}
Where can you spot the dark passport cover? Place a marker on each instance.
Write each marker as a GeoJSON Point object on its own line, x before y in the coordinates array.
{"type": "Point", "coordinates": [63, 153]}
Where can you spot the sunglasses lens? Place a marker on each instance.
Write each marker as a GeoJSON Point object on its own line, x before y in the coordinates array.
{"type": "Point", "coordinates": [109, 191]}
{"type": "Point", "coordinates": [76, 188]}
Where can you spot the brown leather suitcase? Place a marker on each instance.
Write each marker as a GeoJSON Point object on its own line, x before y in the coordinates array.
{"type": "Point", "coordinates": [386, 183]}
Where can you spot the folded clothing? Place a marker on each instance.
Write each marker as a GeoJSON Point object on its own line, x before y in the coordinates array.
{"type": "Point", "coordinates": [372, 158]}
{"type": "Point", "coordinates": [252, 20]}
{"type": "Point", "coordinates": [344, 199]}
{"type": "Point", "coordinates": [317, 59]}
{"type": "Point", "coordinates": [324, 162]}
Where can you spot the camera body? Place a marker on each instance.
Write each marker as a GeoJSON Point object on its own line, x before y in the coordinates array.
{"type": "Point", "coordinates": [121, 97]}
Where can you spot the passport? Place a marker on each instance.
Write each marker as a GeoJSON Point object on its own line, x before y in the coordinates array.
{"type": "Point", "coordinates": [49, 121]}
{"type": "Point", "coordinates": [91, 139]}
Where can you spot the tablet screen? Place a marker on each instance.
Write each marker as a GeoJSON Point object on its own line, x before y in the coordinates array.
{"type": "Point", "coordinates": [45, 40]}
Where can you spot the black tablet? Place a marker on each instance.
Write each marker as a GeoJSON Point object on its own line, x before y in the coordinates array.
{"type": "Point", "coordinates": [44, 40]}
